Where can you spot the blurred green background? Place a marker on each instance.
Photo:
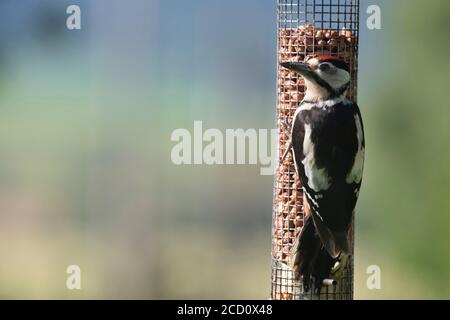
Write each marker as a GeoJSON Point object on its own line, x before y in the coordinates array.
{"type": "Point", "coordinates": [85, 171]}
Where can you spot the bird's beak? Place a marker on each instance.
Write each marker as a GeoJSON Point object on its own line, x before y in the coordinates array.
{"type": "Point", "coordinates": [302, 68]}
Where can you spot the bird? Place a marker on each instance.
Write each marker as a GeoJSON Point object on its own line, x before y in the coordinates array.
{"type": "Point", "coordinates": [328, 146]}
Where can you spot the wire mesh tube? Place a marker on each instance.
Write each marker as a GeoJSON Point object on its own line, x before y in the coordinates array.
{"type": "Point", "coordinates": [326, 27]}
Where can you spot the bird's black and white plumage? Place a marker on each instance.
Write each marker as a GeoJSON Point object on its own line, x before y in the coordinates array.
{"type": "Point", "coordinates": [328, 146]}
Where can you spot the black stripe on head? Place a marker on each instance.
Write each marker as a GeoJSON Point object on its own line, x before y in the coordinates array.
{"type": "Point", "coordinates": [338, 63]}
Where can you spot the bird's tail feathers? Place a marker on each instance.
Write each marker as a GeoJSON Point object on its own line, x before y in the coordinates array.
{"type": "Point", "coordinates": [310, 258]}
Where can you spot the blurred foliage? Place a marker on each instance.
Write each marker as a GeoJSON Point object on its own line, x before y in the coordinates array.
{"type": "Point", "coordinates": [405, 210]}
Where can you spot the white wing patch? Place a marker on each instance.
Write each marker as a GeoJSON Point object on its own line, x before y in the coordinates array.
{"type": "Point", "coordinates": [324, 104]}
{"type": "Point", "coordinates": [356, 173]}
{"type": "Point", "coordinates": [318, 179]}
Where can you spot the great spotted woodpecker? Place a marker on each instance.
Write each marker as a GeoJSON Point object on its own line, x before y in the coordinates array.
{"type": "Point", "coordinates": [327, 138]}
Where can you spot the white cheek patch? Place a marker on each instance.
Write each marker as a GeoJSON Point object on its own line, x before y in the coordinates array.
{"type": "Point", "coordinates": [355, 175]}
{"type": "Point", "coordinates": [336, 80]}
{"type": "Point", "coordinates": [314, 91]}
{"type": "Point", "coordinates": [318, 179]}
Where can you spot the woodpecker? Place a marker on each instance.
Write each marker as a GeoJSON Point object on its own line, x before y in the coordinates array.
{"type": "Point", "coordinates": [328, 144]}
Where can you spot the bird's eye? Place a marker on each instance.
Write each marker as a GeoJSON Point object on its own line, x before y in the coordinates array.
{"type": "Point", "coordinates": [324, 67]}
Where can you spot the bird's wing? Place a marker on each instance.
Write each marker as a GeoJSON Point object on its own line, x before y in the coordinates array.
{"type": "Point", "coordinates": [329, 156]}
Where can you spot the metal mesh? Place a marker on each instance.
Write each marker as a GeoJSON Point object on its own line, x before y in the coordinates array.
{"type": "Point", "coordinates": [328, 27]}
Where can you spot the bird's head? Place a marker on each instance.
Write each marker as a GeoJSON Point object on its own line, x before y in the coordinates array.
{"type": "Point", "coordinates": [325, 76]}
